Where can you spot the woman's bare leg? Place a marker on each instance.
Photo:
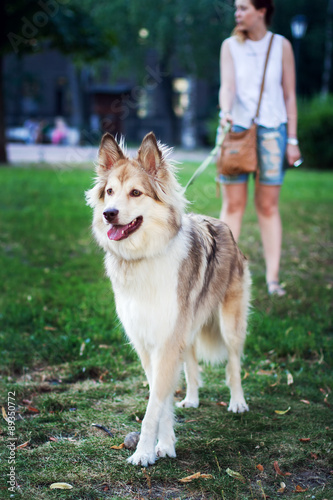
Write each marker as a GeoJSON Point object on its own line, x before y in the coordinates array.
{"type": "Point", "coordinates": [267, 206]}
{"type": "Point", "coordinates": [233, 206]}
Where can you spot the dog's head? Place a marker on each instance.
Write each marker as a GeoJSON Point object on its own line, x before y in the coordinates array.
{"type": "Point", "coordinates": [137, 202]}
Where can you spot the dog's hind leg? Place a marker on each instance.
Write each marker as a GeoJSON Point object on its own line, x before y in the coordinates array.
{"type": "Point", "coordinates": [237, 402]}
{"type": "Point", "coordinates": [233, 320]}
{"type": "Point", "coordinates": [192, 377]}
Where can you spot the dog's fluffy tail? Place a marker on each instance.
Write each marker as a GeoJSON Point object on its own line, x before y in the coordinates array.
{"type": "Point", "coordinates": [209, 344]}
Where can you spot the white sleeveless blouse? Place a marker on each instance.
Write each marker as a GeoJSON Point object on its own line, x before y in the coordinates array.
{"type": "Point", "coordinates": [249, 61]}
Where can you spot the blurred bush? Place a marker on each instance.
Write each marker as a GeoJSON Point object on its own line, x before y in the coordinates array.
{"type": "Point", "coordinates": [315, 132]}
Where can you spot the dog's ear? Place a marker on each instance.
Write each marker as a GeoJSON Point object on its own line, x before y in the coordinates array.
{"type": "Point", "coordinates": [109, 152]}
{"type": "Point", "coordinates": [149, 154]}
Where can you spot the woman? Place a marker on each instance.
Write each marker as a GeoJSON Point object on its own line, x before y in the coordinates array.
{"type": "Point", "coordinates": [242, 62]}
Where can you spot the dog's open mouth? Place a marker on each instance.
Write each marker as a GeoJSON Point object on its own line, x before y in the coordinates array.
{"type": "Point", "coordinates": [118, 233]}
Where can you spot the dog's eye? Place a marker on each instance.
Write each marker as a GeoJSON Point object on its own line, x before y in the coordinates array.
{"type": "Point", "coordinates": [109, 191]}
{"type": "Point", "coordinates": [135, 193]}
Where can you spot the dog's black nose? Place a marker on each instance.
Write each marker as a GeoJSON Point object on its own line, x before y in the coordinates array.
{"type": "Point", "coordinates": [111, 214]}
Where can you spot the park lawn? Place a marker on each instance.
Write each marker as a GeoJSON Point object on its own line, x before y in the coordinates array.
{"type": "Point", "coordinates": [66, 363]}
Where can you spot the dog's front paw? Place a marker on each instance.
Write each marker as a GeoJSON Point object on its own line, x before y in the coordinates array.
{"type": "Point", "coordinates": [186, 403]}
{"type": "Point", "coordinates": [238, 405]}
{"type": "Point", "coordinates": [142, 458]}
{"type": "Point", "coordinates": [164, 449]}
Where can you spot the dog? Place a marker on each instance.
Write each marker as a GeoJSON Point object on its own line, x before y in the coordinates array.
{"type": "Point", "coordinates": [181, 285]}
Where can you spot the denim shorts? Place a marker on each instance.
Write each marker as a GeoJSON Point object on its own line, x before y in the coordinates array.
{"type": "Point", "coordinates": [271, 144]}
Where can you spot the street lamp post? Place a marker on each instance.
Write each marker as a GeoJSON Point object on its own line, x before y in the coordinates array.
{"type": "Point", "coordinates": [298, 26]}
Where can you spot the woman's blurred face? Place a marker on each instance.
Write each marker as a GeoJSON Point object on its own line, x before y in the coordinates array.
{"type": "Point", "coordinates": [247, 16]}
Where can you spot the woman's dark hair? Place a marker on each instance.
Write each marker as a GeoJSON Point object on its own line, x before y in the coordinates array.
{"type": "Point", "coordinates": [265, 4]}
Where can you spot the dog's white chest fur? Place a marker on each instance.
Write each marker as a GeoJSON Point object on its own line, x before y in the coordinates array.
{"type": "Point", "coordinates": [146, 295]}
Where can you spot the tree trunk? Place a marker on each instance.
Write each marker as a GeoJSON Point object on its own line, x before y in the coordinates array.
{"type": "Point", "coordinates": [3, 152]}
{"type": "Point", "coordinates": [328, 51]}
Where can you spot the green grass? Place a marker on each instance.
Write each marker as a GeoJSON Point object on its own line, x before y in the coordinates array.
{"type": "Point", "coordinates": [63, 353]}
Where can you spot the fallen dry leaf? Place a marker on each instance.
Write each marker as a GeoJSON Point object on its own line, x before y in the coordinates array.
{"type": "Point", "coordinates": [197, 475]}
{"type": "Point", "coordinates": [222, 403]}
{"type": "Point", "coordinates": [305, 440]}
{"type": "Point", "coordinates": [260, 467]}
{"type": "Point", "coordinates": [61, 486]}
{"type": "Point", "coordinates": [265, 372]}
{"type": "Point", "coordinates": [188, 479]}
{"type": "Point", "coordinates": [4, 414]}
{"type": "Point", "coordinates": [49, 328]}
{"type": "Point", "coordinates": [104, 374]}
{"type": "Point", "coordinates": [120, 447]}
{"type": "Point", "coordinates": [314, 456]}
{"type": "Point", "coordinates": [290, 379]}
{"type": "Point", "coordinates": [53, 439]}
{"type": "Point", "coordinates": [278, 470]}
{"type": "Point", "coordinates": [31, 409]}
{"type": "Point", "coordinates": [282, 412]}
{"type": "Point", "coordinates": [235, 475]}
{"type": "Point", "coordinates": [299, 489]}
{"type": "Point", "coordinates": [305, 401]}
{"type": "Point", "coordinates": [24, 445]}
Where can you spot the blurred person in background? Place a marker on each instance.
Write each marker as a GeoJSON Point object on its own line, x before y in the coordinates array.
{"type": "Point", "coordinates": [242, 63]}
{"type": "Point", "coordinates": [60, 132]}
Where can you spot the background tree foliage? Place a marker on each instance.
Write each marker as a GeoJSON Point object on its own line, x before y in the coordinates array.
{"type": "Point", "coordinates": [27, 25]}
{"type": "Point", "coordinates": [188, 34]}
{"type": "Point", "coordinates": [185, 34]}
{"type": "Point", "coordinates": [312, 48]}
{"type": "Point", "coordinates": [182, 36]}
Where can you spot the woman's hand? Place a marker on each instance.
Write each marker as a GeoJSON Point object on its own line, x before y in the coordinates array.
{"type": "Point", "coordinates": [226, 120]}
{"type": "Point", "coordinates": [293, 153]}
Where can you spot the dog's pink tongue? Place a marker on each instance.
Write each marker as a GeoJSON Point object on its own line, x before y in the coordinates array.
{"type": "Point", "coordinates": [117, 233]}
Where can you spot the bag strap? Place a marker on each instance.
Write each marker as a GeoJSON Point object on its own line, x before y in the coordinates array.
{"type": "Point", "coordinates": [263, 76]}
